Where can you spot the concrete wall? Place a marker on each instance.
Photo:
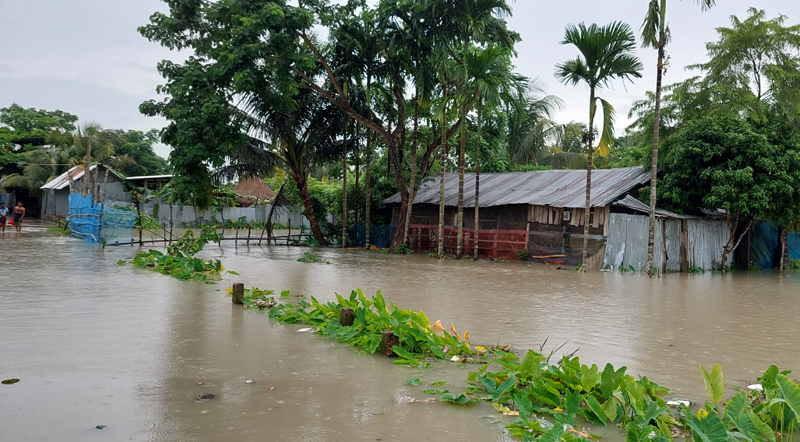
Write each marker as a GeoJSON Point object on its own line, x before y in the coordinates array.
{"type": "Point", "coordinates": [187, 215]}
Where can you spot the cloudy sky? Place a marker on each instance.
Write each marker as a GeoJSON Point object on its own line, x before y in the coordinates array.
{"type": "Point", "coordinates": [85, 56]}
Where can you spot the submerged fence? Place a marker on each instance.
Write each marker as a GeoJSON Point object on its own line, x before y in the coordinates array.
{"type": "Point", "coordinates": [97, 223]}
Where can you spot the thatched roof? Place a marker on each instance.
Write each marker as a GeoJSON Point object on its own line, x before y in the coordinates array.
{"type": "Point", "coordinates": [251, 191]}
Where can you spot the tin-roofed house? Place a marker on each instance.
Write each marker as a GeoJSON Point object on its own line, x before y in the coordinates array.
{"type": "Point", "coordinates": [540, 213]}
{"type": "Point", "coordinates": [106, 183]}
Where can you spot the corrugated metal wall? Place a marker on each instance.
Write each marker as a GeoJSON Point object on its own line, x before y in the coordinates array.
{"type": "Point", "coordinates": [627, 242]}
{"type": "Point", "coordinates": [706, 240]}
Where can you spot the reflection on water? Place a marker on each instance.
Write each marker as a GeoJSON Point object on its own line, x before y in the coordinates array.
{"type": "Point", "coordinates": [99, 344]}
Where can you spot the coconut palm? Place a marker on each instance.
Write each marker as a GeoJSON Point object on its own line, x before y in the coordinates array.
{"type": "Point", "coordinates": [606, 53]}
{"type": "Point", "coordinates": [655, 34]}
{"type": "Point", "coordinates": [294, 139]}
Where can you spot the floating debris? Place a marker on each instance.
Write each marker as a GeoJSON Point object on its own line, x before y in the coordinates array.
{"type": "Point", "coordinates": [679, 402]}
{"type": "Point", "coordinates": [10, 381]}
{"type": "Point", "coordinates": [203, 397]}
{"type": "Point", "coordinates": [249, 381]}
{"type": "Point", "coordinates": [758, 387]}
{"type": "Point", "coordinates": [100, 427]}
{"type": "Point", "coordinates": [306, 330]}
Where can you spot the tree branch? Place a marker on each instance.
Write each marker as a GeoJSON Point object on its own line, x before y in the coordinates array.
{"type": "Point", "coordinates": [327, 67]}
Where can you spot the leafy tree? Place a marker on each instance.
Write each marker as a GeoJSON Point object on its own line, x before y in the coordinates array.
{"type": "Point", "coordinates": [606, 54]}
{"type": "Point", "coordinates": [747, 58]}
{"type": "Point", "coordinates": [655, 34]}
{"type": "Point", "coordinates": [240, 45]}
{"type": "Point", "coordinates": [723, 163]}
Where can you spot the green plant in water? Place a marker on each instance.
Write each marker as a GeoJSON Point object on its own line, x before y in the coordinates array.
{"type": "Point", "coordinates": [384, 251]}
{"type": "Point", "coordinates": [404, 249]}
{"type": "Point", "coordinates": [309, 257]}
{"type": "Point", "coordinates": [523, 255]}
{"type": "Point", "coordinates": [418, 343]}
{"type": "Point", "coordinates": [179, 261]}
{"type": "Point", "coordinates": [794, 264]}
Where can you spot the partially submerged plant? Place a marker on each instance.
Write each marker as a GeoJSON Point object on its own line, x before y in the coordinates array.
{"type": "Point", "coordinates": [419, 343]}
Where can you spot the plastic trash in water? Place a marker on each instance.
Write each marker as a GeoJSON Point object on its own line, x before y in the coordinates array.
{"type": "Point", "coordinates": [758, 387]}
{"type": "Point", "coordinates": [679, 402]}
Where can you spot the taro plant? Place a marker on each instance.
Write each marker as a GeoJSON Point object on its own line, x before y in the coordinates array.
{"type": "Point", "coordinates": [765, 412]}
{"type": "Point", "coordinates": [419, 342]}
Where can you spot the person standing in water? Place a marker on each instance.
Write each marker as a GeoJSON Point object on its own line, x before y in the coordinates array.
{"type": "Point", "coordinates": [3, 215]}
{"type": "Point", "coordinates": [19, 213]}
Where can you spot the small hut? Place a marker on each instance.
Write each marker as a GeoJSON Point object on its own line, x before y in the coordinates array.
{"type": "Point", "coordinates": [251, 191]}
{"type": "Point", "coordinates": [106, 183]}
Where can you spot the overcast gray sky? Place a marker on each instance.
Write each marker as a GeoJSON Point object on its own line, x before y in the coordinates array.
{"type": "Point", "coordinates": [85, 56]}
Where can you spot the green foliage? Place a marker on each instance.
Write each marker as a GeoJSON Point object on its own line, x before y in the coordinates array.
{"type": "Point", "coordinates": [256, 298]}
{"type": "Point", "coordinates": [189, 245]}
{"type": "Point", "coordinates": [309, 257]}
{"type": "Point", "coordinates": [460, 399]}
{"type": "Point", "coordinates": [373, 317]}
{"type": "Point", "coordinates": [404, 249]}
{"type": "Point", "coordinates": [523, 255]}
{"type": "Point", "coordinates": [721, 163]}
{"type": "Point", "coordinates": [179, 261]}
{"type": "Point", "coordinates": [414, 381]}
{"type": "Point", "coordinates": [180, 266]}
{"type": "Point", "coordinates": [714, 382]}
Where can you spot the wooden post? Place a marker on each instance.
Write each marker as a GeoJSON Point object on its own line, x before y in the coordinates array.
{"type": "Point", "coordinates": [389, 340]}
{"type": "Point", "coordinates": [347, 317]}
{"type": "Point", "coordinates": [238, 293]}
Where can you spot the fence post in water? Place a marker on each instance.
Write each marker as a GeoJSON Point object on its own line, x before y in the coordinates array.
{"type": "Point", "coordinates": [238, 293]}
{"type": "Point", "coordinates": [347, 317]}
{"type": "Point", "coordinates": [389, 340]}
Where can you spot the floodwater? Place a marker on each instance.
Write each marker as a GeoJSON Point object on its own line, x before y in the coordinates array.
{"type": "Point", "coordinates": [95, 343]}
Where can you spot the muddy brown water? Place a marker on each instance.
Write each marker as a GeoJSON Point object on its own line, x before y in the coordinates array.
{"type": "Point", "coordinates": [95, 343]}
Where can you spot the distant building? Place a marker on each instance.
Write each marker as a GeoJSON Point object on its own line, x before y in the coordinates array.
{"type": "Point", "coordinates": [541, 212]}
{"type": "Point", "coordinates": [55, 193]}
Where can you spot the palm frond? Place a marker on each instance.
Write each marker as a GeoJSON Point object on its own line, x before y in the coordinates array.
{"type": "Point", "coordinates": [607, 136]}
{"type": "Point", "coordinates": [651, 25]}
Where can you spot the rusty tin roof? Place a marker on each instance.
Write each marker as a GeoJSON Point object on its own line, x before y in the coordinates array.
{"type": "Point", "coordinates": [554, 188]}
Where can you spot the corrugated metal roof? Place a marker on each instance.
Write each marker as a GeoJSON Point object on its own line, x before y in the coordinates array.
{"type": "Point", "coordinates": [632, 203]}
{"type": "Point", "coordinates": [554, 188]}
{"type": "Point", "coordinates": [76, 172]}
{"type": "Point", "coordinates": [149, 177]}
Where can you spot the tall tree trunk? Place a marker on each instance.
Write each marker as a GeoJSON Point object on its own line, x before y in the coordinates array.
{"type": "Point", "coordinates": [412, 183]}
{"type": "Point", "coordinates": [479, 151]}
{"type": "Point", "coordinates": [651, 237]}
{"type": "Point", "coordinates": [368, 194]}
{"type": "Point", "coordinates": [461, 149]}
{"type": "Point", "coordinates": [357, 215]}
{"type": "Point", "coordinates": [733, 241]}
{"type": "Point", "coordinates": [443, 165]}
{"type": "Point", "coordinates": [784, 245]}
{"type": "Point", "coordinates": [588, 207]}
{"type": "Point", "coordinates": [302, 184]}
{"type": "Point", "coordinates": [477, 207]}
{"type": "Point", "coordinates": [87, 176]}
{"type": "Point", "coordinates": [344, 190]}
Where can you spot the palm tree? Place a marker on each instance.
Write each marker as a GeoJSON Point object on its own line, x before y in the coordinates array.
{"type": "Point", "coordinates": [473, 21]}
{"type": "Point", "coordinates": [655, 34]}
{"type": "Point", "coordinates": [493, 80]}
{"type": "Point", "coordinates": [294, 139]}
{"type": "Point", "coordinates": [606, 53]}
